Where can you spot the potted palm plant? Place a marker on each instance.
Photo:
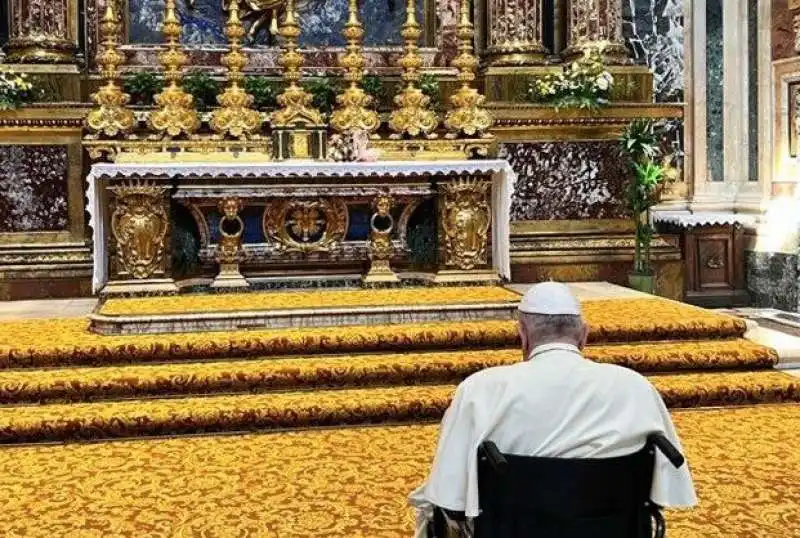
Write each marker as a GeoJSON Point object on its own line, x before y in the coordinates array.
{"type": "Point", "coordinates": [641, 144]}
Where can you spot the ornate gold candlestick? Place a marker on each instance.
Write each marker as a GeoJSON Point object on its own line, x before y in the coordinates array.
{"type": "Point", "coordinates": [110, 117]}
{"type": "Point", "coordinates": [229, 251]}
{"type": "Point", "coordinates": [175, 114]}
{"type": "Point", "coordinates": [353, 113]}
{"type": "Point", "coordinates": [236, 117]}
{"type": "Point", "coordinates": [468, 116]}
{"type": "Point", "coordinates": [412, 115]}
{"type": "Point", "coordinates": [380, 245]}
{"type": "Point", "coordinates": [298, 127]}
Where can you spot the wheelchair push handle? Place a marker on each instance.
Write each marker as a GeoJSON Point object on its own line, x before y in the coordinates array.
{"type": "Point", "coordinates": [664, 445]}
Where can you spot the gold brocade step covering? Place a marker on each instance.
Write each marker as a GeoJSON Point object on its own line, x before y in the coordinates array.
{"type": "Point", "coordinates": [292, 373]}
{"type": "Point", "coordinates": [40, 343]}
{"type": "Point", "coordinates": [355, 482]}
{"type": "Point", "coordinates": [61, 422]}
{"type": "Point", "coordinates": [295, 300]}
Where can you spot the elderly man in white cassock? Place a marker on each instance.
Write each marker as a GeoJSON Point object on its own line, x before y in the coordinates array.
{"type": "Point", "coordinates": [555, 404]}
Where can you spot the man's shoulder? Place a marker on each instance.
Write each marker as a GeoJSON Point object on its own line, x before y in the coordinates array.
{"type": "Point", "coordinates": [489, 376]}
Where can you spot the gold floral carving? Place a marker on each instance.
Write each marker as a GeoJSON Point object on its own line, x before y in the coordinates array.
{"type": "Point", "coordinates": [139, 224]}
{"type": "Point", "coordinates": [354, 113]}
{"type": "Point", "coordinates": [236, 117]}
{"type": "Point", "coordinates": [175, 114]}
{"type": "Point", "coordinates": [296, 109]}
{"type": "Point", "coordinates": [514, 35]}
{"type": "Point", "coordinates": [380, 245]}
{"type": "Point", "coordinates": [592, 22]}
{"type": "Point", "coordinates": [229, 250]}
{"type": "Point", "coordinates": [465, 217]}
{"type": "Point", "coordinates": [412, 115]}
{"type": "Point", "coordinates": [42, 31]}
{"type": "Point", "coordinates": [468, 117]}
{"type": "Point", "coordinates": [306, 225]}
{"type": "Point", "coordinates": [110, 117]}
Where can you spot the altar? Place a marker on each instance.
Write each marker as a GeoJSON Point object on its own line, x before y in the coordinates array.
{"type": "Point", "coordinates": [298, 219]}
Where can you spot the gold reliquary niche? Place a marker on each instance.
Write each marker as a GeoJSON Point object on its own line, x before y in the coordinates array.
{"type": "Point", "coordinates": [351, 128]}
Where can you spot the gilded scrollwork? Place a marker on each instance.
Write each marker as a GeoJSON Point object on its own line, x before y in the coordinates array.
{"type": "Point", "coordinates": [465, 218]}
{"type": "Point", "coordinates": [139, 224]}
{"type": "Point", "coordinates": [306, 225]}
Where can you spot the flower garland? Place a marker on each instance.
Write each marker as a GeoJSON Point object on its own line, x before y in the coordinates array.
{"type": "Point", "coordinates": [585, 83]}
{"type": "Point", "coordinates": [15, 90]}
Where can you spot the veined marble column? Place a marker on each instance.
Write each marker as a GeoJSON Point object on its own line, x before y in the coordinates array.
{"type": "Point", "coordinates": [43, 31]}
{"type": "Point", "coordinates": [514, 32]}
{"type": "Point", "coordinates": [593, 21]}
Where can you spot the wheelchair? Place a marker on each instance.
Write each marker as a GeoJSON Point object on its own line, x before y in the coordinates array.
{"type": "Point", "coordinates": [535, 497]}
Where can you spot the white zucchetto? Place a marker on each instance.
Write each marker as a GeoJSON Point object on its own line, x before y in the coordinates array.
{"type": "Point", "coordinates": [551, 299]}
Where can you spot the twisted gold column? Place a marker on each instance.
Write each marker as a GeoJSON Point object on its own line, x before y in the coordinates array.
{"type": "Point", "coordinates": [412, 115]}
{"type": "Point", "coordinates": [468, 116]}
{"type": "Point", "coordinates": [514, 33]}
{"type": "Point", "coordinates": [175, 115]}
{"type": "Point", "coordinates": [110, 117]}
{"type": "Point", "coordinates": [43, 31]}
{"type": "Point", "coordinates": [236, 117]}
{"type": "Point", "coordinates": [354, 113]}
{"type": "Point", "coordinates": [594, 22]}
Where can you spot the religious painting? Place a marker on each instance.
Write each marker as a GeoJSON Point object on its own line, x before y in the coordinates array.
{"type": "Point", "coordinates": [322, 21]}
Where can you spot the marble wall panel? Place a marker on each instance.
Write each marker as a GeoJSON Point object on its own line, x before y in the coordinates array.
{"type": "Point", "coordinates": [567, 180]}
{"type": "Point", "coordinates": [784, 33]}
{"type": "Point", "coordinates": [715, 124]}
{"type": "Point", "coordinates": [33, 188]}
{"type": "Point", "coordinates": [772, 280]}
{"type": "Point", "coordinates": [654, 30]}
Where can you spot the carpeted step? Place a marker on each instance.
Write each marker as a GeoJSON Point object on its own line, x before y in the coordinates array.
{"type": "Point", "coordinates": [58, 343]}
{"type": "Point", "coordinates": [85, 384]}
{"type": "Point", "coordinates": [61, 422]}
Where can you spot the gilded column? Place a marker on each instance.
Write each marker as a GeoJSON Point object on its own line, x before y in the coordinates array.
{"type": "Point", "coordinates": [43, 31]}
{"type": "Point", "coordinates": [592, 22]}
{"type": "Point", "coordinates": [514, 32]}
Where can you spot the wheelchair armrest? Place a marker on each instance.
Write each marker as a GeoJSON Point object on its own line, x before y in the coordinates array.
{"type": "Point", "coordinates": [663, 444]}
{"type": "Point", "coordinates": [489, 451]}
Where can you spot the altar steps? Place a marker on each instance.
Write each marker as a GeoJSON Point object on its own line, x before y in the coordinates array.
{"type": "Point", "coordinates": [302, 309]}
{"type": "Point", "coordinates": [302, 409]}
{"type": "Point", "coordinates": [278, 373]}
{"type": "Point", "coordinates": [60, 382]}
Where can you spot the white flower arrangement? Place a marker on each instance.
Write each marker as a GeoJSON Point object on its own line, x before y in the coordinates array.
{"type": "Point", "coordinates": [585, 83]}
{"type": "Point", "coordinates": [15, 90]}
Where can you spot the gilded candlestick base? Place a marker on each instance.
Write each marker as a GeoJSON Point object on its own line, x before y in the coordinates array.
{"type": "Point", "coordinates": [475, 276]}
{"type": "Point", "coordinates": [229, 277]}
{"type": "Point", "coordinates": [412, 117]}
{"type": "Point", "coordinates": [380, 272]}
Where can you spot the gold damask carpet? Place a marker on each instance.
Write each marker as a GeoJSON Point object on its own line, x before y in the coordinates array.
{"type": "Point", "coordinates": [352, 483]}
{"type": "Point", "coordinates": [89, 386]}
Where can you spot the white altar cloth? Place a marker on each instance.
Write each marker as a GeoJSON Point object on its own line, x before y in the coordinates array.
{"type": "Point", "coordinates": [504, 180]}
{"type": "Point", "coordinates": [689, 219]}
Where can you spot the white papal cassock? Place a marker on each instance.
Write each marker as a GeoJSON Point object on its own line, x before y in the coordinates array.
{"type": "Point", "coordinates": [556, 404]}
